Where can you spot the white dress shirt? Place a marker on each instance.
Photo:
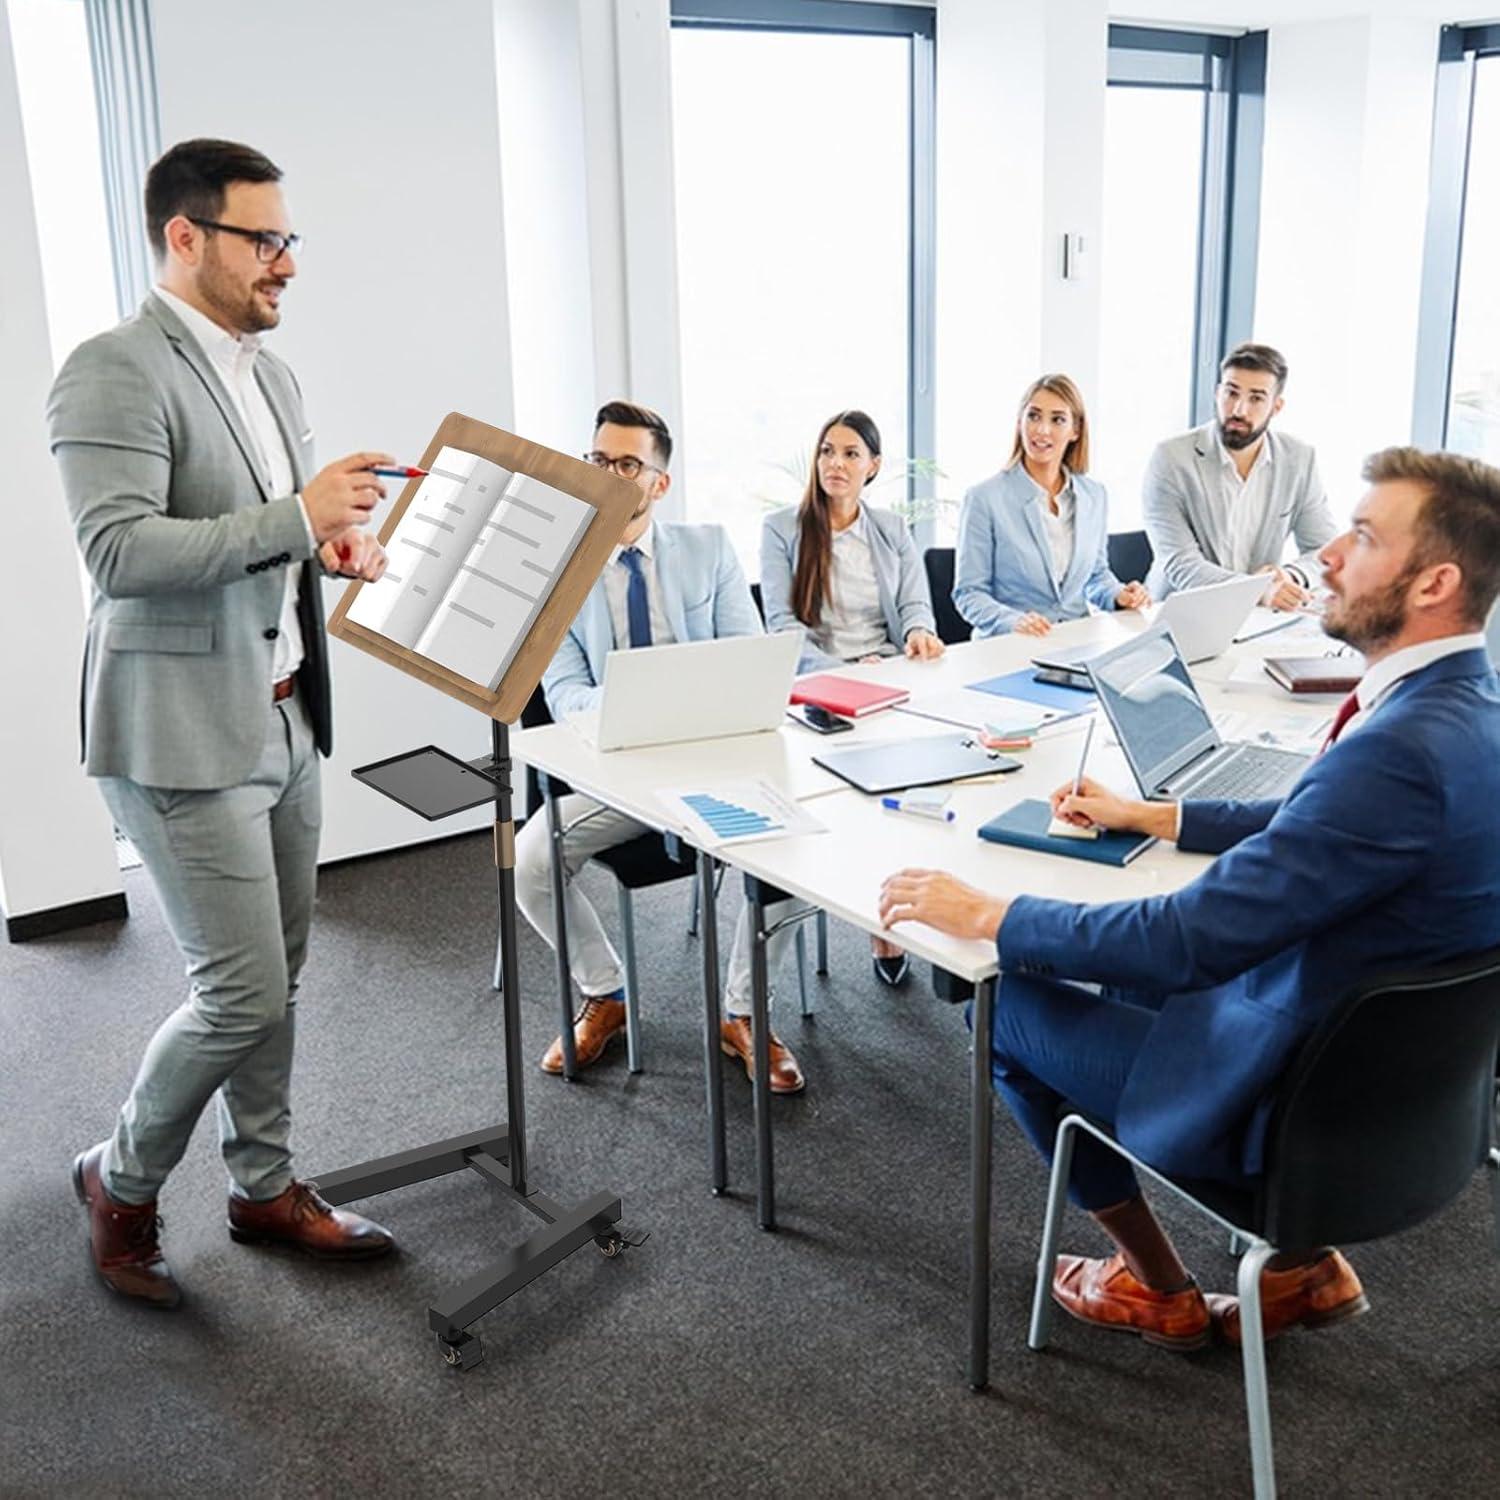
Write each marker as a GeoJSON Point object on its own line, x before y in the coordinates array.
{"type": "Point", "coordinates": [1062, 527]}
{"type": "Point", "coordinates": [853, 624]}
{"type": "Point", "coordinates": [234, 361]}
{"type": "Point", "coordinates": [1245, 500]}
{"type": "Point", "coordinates": [1376, 685]}
{"type": "Point", "coordinates": [617, 584]}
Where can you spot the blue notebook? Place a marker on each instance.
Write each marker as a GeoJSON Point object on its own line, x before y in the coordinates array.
{"type": "Point", "coordinates": [1025, 827]}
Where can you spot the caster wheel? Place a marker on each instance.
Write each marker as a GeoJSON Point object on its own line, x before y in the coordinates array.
{"type": "Point", "coordinates": [611, 1245]}
{"type": "Point", "coordinates": [463, 1353]}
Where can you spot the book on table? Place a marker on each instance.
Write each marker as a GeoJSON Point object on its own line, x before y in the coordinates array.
{"type": "Point", "coordinates": [846, 695]}
{"type": "Point", "coordinates": [1316, 674]}
{"type": "Point", "coordinates": [1025, 826]}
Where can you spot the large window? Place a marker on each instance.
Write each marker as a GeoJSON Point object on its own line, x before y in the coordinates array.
{"type": "Point", "coordinates": [58, 114]}
{"type": "Point", "coordinates": [1181, 170]}
{"type": "Point", "coordinates": [1458, 401]}
{"type": "Point", "coordinates": [802, 137]}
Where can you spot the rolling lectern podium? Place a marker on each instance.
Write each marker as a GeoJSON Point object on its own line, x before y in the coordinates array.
{"type": "Point", "coordinates": [490, 558]}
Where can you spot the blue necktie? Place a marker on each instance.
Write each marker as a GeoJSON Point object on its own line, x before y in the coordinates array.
{"type": "Point", "coordinates": [637, 609]}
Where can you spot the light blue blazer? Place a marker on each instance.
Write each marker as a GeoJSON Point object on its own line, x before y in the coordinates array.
{"type": "Point", "coordinates": [899, 577]}
{"type": "Point", "coordinates": [704, 596]}
{"type": "Point", "coordinates": [1003, 566]}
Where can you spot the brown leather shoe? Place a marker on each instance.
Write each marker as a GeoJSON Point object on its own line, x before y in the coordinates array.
{"type": "Point", "coordinates": [300, 1218]}
{"type": "Point", "coordinates": [593, 1026]}
{"type": "Point", "coordinates": [1327, 1291]}
{"type": "Point", "coordinates": [734, 1041]}
{"type": "Point", "coordinates": [123, 1238]}
{"type": "Point", "coordinates": [1106, 1294]}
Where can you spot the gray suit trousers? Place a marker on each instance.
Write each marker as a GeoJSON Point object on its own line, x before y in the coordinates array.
{"type": "Point", "coordinates": [235, 871]}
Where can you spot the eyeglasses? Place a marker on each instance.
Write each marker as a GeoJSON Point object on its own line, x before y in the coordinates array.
{"type": "Point", "coordinates": [269, 246]}
{"type": "Point", "coordinates": [627, 465]}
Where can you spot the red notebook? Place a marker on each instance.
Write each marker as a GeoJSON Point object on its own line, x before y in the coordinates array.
{"type": "Point", "coordinates": [845, 695]}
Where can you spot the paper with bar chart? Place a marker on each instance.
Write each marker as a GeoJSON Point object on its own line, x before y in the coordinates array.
{"type": "Point", "coordinates": [471, 562]}
{"type": "Point", "coordinates": [735, 812]}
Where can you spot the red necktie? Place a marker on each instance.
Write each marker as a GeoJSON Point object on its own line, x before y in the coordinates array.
{"type": "Point", "coordinates": [1347, 710]}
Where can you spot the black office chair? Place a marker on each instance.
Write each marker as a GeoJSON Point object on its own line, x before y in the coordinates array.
{"type": "Point", "coordinates": [951, 626]}
{"type": "Point", "coordinates": [1380, 1122]}
{"type": "Point", "coordinates": [1129, 556]}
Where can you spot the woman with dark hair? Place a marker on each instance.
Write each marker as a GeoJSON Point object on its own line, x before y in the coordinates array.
{"type": "Point", "coordinates": [1033, 540]}
{"type": "Point", "coordinates": [848, 573]}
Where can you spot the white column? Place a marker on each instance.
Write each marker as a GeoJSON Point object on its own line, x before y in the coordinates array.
{"type": "Point", "coordinates": [386, 120]}
{"type": "Point", "coordinates": [56, 847]}
{"type": "Point", "coordinates": [1343, 209]}
{"type": "Point", "coordinates": [1020, 143]}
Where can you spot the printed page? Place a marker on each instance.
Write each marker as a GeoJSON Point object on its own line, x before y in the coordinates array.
{"type": "Point", "coordinates": [426, 550]}
{"type": "Point", "coordinates": [500, 586]}
{"type": "Point", "coordinates": [737, 812]}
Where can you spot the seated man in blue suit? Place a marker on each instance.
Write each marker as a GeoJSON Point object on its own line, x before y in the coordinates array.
{"type": "Point", "coordinates": [1385, 855]}
{"type": "Point", "coordinates": [665, 582]}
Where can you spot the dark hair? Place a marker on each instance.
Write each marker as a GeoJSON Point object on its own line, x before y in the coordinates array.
{"type": "Point", "coordinates": [1459, 521]}
{"type": "Point", "coordinates": [1076, 454]}
{"type": "Point", "coordinates": [1255, 357]}
{"type": "Point", "coordinates": [628, 414]}
{"type": "Point", "coordinates": [190, 179]}
{"type": "Point", "coordinates": [814, 531]}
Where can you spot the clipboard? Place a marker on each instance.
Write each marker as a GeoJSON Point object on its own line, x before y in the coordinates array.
{"type": "Point", "coordinates": [611, 499]}
{"type": "Point", "coordinates": [930, 761]}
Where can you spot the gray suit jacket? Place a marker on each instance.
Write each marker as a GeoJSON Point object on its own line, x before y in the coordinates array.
{"type": "Point", "coordinates": [185, 548]}
{"type": "Point", "coordinates": [1187, 521]}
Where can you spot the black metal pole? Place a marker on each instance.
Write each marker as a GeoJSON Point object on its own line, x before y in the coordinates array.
{"type": "Point", "coordinates": [510, 991]}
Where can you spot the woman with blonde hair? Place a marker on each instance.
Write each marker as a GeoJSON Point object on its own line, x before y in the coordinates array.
{"type": "Point", "coordinates": [1033, 540]}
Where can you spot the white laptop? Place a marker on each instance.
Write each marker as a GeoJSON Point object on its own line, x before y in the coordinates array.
{"type": "Point", "coordinates": [1204, 621]}
{"type": "Point", "coordinates": [696, 690]}
{"type": "Point", "coordinates": [1174, 751]}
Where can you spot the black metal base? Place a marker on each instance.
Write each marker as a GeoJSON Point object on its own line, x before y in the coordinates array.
{"type": "Point", "coordinates": [486, 1152]}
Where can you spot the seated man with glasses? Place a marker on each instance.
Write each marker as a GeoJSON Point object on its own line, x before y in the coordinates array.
{"type": "Point", "coordinates": [665, 582]}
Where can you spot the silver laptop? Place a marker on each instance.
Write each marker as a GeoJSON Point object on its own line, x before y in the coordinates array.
{"type": "Point", "coordinates": [1204, 621]}
{"type": "Point", "coordinates": [697, 690]}
{"type": "Point", "coordinates": [1167, 735]}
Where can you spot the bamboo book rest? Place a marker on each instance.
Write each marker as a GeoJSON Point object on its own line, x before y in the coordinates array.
{"type": "Point", "coordinates": [491, 557]}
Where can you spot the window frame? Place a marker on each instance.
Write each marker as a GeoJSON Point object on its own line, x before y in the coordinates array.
{"type": "Point", "coordinates": [918, 24]}
{"type": "Point", "coordinates": [1460, 49]}
{"type": "Point", "coordinates": [1231, 74]}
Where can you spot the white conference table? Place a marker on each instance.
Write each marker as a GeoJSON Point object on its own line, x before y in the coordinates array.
{"type": "Point", "coordinates": [840, 870]}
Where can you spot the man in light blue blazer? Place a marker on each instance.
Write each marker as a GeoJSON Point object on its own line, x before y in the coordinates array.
{"type": "Point", "coordinates": [665, 582]}
{"type": "Point", "coordinates": [1222, 500]}
{"type": "Point", "coordinates": [187, 466]}
{"type": "Point", "coordinates": [1385, 855]}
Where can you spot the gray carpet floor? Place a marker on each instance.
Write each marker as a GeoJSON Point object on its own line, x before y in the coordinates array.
{"type": "Point", "coordinates": [826, 1358]}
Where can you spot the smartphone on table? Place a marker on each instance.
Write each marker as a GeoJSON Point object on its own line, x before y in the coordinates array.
{"type": "Point", "coordinates": [818, 719]}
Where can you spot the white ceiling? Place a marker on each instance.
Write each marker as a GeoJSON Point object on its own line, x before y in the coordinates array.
{"type": "Point", "coordinates": [1258, 14]}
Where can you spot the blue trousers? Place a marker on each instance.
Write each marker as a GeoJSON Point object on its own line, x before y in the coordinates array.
{"type": "Point", "coordinates": [1061, 1049]}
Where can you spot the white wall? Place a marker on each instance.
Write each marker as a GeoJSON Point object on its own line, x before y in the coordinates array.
{"type": "Point", "coordinates": [1343, 210]}
{"type": "Point", "coordinates": [56, 847]}
{"type": "Point", "coordinates": [385, 119]}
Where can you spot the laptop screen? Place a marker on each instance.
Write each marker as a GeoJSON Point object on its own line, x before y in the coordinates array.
{"type": "Point", "coordinates": [1146, 690]}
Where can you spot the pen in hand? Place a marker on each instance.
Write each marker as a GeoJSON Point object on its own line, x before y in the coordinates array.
{"type": "Point", "coordinates": [1083, 759]}
{"type": "Point", "coordinates": [397, 471]}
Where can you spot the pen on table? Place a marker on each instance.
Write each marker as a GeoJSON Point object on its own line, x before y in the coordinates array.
{"type": "Point", "coordinates": [1083, 759]}
{"type": "Point", "coordinates": [919, 810]}
{"type": "Point", "coordinates": [397, 471]}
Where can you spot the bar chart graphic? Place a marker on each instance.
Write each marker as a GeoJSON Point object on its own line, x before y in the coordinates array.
{"type": "Point", "coordinates": [735, 812]}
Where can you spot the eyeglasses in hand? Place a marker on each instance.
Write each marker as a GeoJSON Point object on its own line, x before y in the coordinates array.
{"type": "Point", "coordinates": [269, 245]}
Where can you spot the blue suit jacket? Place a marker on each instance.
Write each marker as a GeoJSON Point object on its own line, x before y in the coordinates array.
{"type": "Point", "coordinates": [900, 578]}
{"type": "Point", "coordinates": [1386, 854]}
{"type": "Point", "coordinates": [1003, 566]}
{"type": "Point", "coordinates": [703, 594]}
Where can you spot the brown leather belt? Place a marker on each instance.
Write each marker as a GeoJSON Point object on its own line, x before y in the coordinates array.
{"type": "Point", "coordinates": [283, 689]}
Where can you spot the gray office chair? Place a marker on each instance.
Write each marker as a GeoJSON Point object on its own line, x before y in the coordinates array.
{"type": "Point", "coordinates": [1130, 556]}
{"type": "Point", "coordinates": [951, 626]}
{"type": "Point", "coordinates": [1381, 1121]}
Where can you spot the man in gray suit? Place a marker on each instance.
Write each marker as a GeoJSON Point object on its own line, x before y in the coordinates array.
{"type": "Point", "coordinates": [1221, 500]}
{"type": "Point", "coordinates": [187, 466]}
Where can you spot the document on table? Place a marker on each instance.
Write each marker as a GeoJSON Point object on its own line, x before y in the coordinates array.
{"type": "Point", "coordinates": [471, 563]}
{"type": "Point", "coordinates": [1301, 732]}
{"type": "Point", "coordinates": [971, 709]}
{"type": "Point", "coordinates": [712, 815]}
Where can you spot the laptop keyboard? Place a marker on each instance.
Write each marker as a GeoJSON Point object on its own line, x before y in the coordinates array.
{"type": "Point", "coordinates": [1252, 771]}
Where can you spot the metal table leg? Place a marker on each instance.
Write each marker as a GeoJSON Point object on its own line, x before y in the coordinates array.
{"type": "Point", "coordinates": [982, 1105]}
{"type": "Point", "coordinates": [760, 1043]}
{"type": "Point", "coordinates": [560, 927]}
{"type": "Point", "coordinates": [713, 1052]}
